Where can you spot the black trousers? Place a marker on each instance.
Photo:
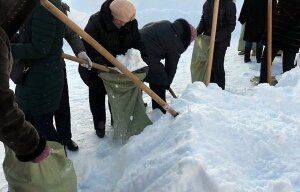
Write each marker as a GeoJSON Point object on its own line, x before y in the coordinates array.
{"type": "Point", "coordinates": [160, 90]}
{"type": "Point", "coordinates": [97, 94]}
{"type": "Point", "coordinates": [44, 125]}
{"type": "Point", "coordinates": [218, 71]}
{"type": "Point", "coordinates": [63, 115]}
{"type": "Point", "coordinates": [288, 59]}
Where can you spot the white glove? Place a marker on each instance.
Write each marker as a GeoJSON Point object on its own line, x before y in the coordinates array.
{"type": "Point", "coordinates": [84, 56]}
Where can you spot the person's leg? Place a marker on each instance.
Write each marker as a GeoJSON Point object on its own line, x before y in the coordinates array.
{"type": "Point", "coordinates": [288, 60]}
{"type": "Point", "coordinates": [253, 53]}
{"type": "Point", "coordinates": [241, 46]}
{"type": "Point", "coordinates": [97, 106]}
{"type": "Point", "coordinates": [63, 118]}
{"type": "Point", "coordinates": [218, 71]}
{"type": "Point", "coordinates": [44, 125]}
{"type": "Point", "coordinates": [264, 63]}
{"type": "Point", "coordinates": [259, 49]}
{"type": "Point", "coordinates": [160, 90]}
{"type": "Point", "coordinates": [248, 48]}
{"type": "Point", "coordinates": [97, 94]}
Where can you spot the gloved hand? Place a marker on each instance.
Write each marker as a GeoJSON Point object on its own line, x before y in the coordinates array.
{"type": "Point", "coordinates": [84, 56]}
{"type": "Point", "coordinates": [44, 154]}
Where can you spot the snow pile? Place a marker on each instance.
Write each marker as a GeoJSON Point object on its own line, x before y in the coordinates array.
{"type": "Point", "coordinates": [220, 142]}
{"type": "Point", "coordinates": [132, 60]}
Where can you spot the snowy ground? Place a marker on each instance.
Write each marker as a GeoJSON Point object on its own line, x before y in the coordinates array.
{"type": "Point", "coordinates": [243, 139]}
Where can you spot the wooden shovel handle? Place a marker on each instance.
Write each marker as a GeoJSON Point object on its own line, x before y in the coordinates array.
{"type": "Point", "coordinates": [172, 93]}
{"type": "Point", "coordinates": [212, 42]}
{"type": "Point", "coordinates": [269, 41]}
{"type": "Point", "coordinates": [78, 60]}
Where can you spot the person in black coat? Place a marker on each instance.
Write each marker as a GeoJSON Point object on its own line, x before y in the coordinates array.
{"type": "Point", "coordinates": [225, 26]}
{"type": "Point", "coordinates": [254, 15]}
{"type": "Point", "coordinates": [116, 29]}
{"type": "Point", "coordinates": [285, 35]}
{"type": "Point", "coordinates": [164, 40]}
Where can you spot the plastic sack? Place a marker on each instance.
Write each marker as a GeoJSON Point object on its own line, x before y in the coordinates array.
{"type": "Point", "coordinates": [200, 58]}
{"type": "Point", "coordinates": [54, 174]}
{"type": "Point", "coordinates": [127, 106]}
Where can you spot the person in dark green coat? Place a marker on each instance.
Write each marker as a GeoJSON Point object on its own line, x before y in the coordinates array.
{"type": "Point", "coordinates": [41, 48]}
{"type": "Point", "coordinates": [16, 133]}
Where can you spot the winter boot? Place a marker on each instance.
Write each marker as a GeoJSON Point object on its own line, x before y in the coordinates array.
{"type": "Point", "coordinates": [71, 145]}
{"type": "Point", "coordinates": [241, 52]}
{"type": "Point", "coordinates": [100, 130]}
{"type": "Point", "coordinates": [247, 54]}
{"type": "Point", "coordinates": [258, 54]}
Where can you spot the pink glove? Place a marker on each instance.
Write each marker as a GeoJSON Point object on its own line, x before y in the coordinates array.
{"type": "Point", "coordinates": [45, 153]}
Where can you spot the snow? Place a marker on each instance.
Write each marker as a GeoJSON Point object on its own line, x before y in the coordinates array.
{"type": "Point", "coordinates": [243, 139]}
{"type": "Point", "coordinates": [132, 60]}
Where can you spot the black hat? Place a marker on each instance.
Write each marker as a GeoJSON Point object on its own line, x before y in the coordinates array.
{"type": "Point", "coordinates": [182, 28]}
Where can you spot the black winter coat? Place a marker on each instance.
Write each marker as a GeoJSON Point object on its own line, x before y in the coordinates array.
{"type": "Point", "coordinates": [117, 41]}
{"type": "Point", "coordinates": [164, 40]}
{"type": "Point", "coordinates": [286, 25]}
{"type": "Point", "coordinates": [225, 24]}
{"type": "Point", "coordinates": [254, 14]}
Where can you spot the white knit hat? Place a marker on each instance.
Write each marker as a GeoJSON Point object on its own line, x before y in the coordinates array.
{"type": "Point", "coordinates": [122, 10]}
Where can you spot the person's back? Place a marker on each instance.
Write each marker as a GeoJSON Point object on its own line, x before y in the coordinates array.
{"type": "Point", "coordinates": [286, 25]}
{"type": "Point", "coordinates": [165, 40]}
{"type": "Point", "coordinates": [225, 24]}
{"type": "Point", "coordinates": [158, 41]}
{"type": "Point", "coordinates": [254, 16]}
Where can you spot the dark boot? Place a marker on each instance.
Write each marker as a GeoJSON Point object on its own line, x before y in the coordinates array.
{"type": "Point", "coordinates": [247, 54]}
{"type": "Point", "coordinates": [71, 145]}
{"type": "Point", "coordinates": [100, 130]}
{"type": "Point", "coordinates": [258, 54]}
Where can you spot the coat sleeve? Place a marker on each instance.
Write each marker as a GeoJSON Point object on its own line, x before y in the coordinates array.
{"type": "Point", "coordinates": [70, 36]}
{"type": "Point", "coordinates": [202, 24]}
{"type": "Point", "coordinates": [15, 132]}
{"type": "Point", "coordinates": [43, 35]}
{"type": "Point", "coordinates": [231, 17]}
{"type": "Point", "coordinates": [171, 62]}
{"type": "Point", "coordinates": [243, 13]}
{"type": "Point", "coordinates": [74, 41]}
{"type": "Point", "coordinates": [90, 28]}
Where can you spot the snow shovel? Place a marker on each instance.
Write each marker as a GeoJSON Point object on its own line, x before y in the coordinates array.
{"type": "Point", "coordinates": [61, 16]}
{"type": "Point", "coordinates": [78, 60]}
{"type": "Point", "coordinates": [172, 93]}
{"type": "Point", "coordinates": [212, 42]}
{"type": "Point", "coordinates": [269, 41]}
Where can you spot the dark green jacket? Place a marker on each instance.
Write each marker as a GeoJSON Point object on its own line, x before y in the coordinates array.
{"type": "Point", "coordinates": [42, 44]}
